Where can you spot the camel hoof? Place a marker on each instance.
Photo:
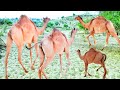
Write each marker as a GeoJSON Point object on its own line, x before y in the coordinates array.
{"type": "Point", "coordinates": [97, 70]}
{"type": "Point", "coordinates": [6, 77]}
{"type": "Point", "coordinates": [104, 77]}
{"type": "Point", "coordinates": [89, 74]}
{"type": "Point", "coordinates": [102, 49]}
{"type": "Point", "coordinates": [26, 71]}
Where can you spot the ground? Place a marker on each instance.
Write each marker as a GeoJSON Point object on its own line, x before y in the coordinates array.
{"type": "Point", "coordinates": [76, 69]}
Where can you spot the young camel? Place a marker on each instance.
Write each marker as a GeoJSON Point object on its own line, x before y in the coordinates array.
{"type": "Point", "coordinates": [99, 25]}
{"type": "Point", "coordinates": [93, 56]}
{"type": "Point", "coordinates": [23, 32]}
{"type": "Point", "coordinates": [55, 43]}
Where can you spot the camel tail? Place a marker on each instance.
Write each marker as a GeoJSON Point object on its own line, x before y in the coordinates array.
{"type": "Point", "coordinates": [32, 46]}
{"type": "Point", "coordinates": [104, 57]}
{"type": "Point", "coordinates": [40, 46]}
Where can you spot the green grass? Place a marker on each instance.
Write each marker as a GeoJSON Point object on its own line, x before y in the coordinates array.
{"type": "Point", "coordinates": [76, 69]}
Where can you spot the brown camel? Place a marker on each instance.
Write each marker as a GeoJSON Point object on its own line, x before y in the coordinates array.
{"type": "Point", "coordinates": [55, 43]}
{"type": "Point", "coordinates": [93, 56]}
{"type": "Point", "coordinates": [23, 32]}
{"type": "Point", "coordinates": [99, 25]}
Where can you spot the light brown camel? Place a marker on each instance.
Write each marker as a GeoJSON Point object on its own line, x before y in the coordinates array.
{"type": "Point", "coordinates": [99, 25]}
{"type": "Point", "coordinates": [55, 43]}
{"type": "Point", "coordinates": [93, 56]}
{"type": "Point", "coordinates": [23, 32]}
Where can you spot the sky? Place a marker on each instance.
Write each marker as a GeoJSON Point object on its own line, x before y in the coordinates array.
{"type": "Point", "coordinates": [41, 14]}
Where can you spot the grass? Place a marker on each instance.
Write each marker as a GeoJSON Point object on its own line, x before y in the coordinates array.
{"type": "Point", "coordinates": [76, 69]}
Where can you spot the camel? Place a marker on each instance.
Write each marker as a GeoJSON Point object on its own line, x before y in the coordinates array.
{"type": "Point", "coordinates": [23, 32]}
{"type": "Point", "coordinates": [55, 43]}
{"type": "Point", "coordinates": [99, 25]}
{"type": "Point", "coordinates": [93, 56]}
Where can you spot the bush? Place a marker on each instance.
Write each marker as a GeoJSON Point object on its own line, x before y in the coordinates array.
{"type": "Point", "coordinates": [6, 21]}
{"type": "Point", "coordinates": [50, 24]}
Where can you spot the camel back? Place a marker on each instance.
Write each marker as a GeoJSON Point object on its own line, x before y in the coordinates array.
{"type": "Point", "coordinates": [24, 19]}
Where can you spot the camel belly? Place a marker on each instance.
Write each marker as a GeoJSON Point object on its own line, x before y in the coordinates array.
{"type": "Point", "coordinates": [99, 30]}
{"type": "Point", "coordinates": [60, 50]}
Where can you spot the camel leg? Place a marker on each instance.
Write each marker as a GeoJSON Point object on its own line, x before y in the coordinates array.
{"type": "Point", "coordinates": [37, 54]}
{"type": "Point", "coordinates": [9, 44]}
{"type": "Point", "coordinates": [60, 55]}
{"type": "Point", "coordinates": [94, 40]}
{"type": "Point", "coordinates": [88, 39]}
{"type": "Point", "coordinates": [105, 71]}
{"type": "Point", "coordinates": [67, 56]}
{"type": "Point", "coordinates": [19, 56]}
{"type": "Point", "coordinates": [107, 38]}
{"type": "Point", "coordinates": [112, 31]}
{"type": "Point", "coordinates": [29, 45]}
{"type": "Point", "coordinates": [86, 67]}
{"type": "Point", "coordinates": [42, 56]}
{"type": "Point", "coordinates": [116, 37]}
{"type": "Point", "coordinates": [45, 64]}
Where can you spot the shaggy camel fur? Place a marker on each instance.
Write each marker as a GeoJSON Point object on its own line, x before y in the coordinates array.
{"type": "Point", "coordinates": [23, 32]}
{"type": "Point", "coordinates": [55, 43]}
{"type": "Point", "coordinates": [99, 25]}
{"type": "Point", "coordinates": [93, 56]}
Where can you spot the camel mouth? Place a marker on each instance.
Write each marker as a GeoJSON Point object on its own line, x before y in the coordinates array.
{"type": "Point", "coordinates": [78, 50]}
{"type": "Point", "coordinates": [75, 18]}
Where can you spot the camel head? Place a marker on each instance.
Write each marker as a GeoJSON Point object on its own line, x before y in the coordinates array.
{"type": "Point", "coordinates": [78, 51]}
{"type": "Point", "coordinates": [78, 18]}
{"type": "Point", "coordinates": [73, 32]}
{"type": "Point", "coordinates": [45, 20]}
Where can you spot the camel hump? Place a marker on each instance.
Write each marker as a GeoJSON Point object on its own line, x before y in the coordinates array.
{"type": "Point", "coordinates": [101, 18]}
{"type": "Point", "coordinates": [23, 16]}
{"type": "Point", "coordinates": [92, 49]}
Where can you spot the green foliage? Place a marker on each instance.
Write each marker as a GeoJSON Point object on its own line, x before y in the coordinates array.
{"type": "Point", "coordinates": [65, 25]}
{"type": "Point", "coordinates": [3, 29]}
{"type": "Point", "coordinates": [80, 26]}
{"type": "Point", "coordinates": [62, 17]}
{"type": "Point", "coordinates": [114, 17]}
{"type": "Point", "coordinates": [56, 23]}
{"type": "Point", "coordinates": [73, 14]}
{"type": "Point", "coordinates": [50, 24]}
{"type": "Point", "coordinates": [6, 21]}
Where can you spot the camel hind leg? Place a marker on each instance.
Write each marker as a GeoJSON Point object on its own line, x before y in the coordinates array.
{"type": "Point", "coordinates": [68, 58]}
{"type": "Point", "coordinates": [37, 54]}
{"type": "Point", "coordinates": [29, 45]}
{"type": "Point", "coordinates": [91, 33]}
{"type": "Point", "coordinates": [44, 65]}
{"type": "Point", "coordinates": [19, 41]}
{"type": "Point", "coordinates": [94, 40]}
{"type": "Point", "coordinates": [112, 31]}
{"type": "Point", "coordinates": [107, 38]}
{"type": "Point", "coordinates": [19, 57]}
{"type": "Point", "coordinates": [9, 45]}
{"type": "Point", "coordinates": [60, 55]}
